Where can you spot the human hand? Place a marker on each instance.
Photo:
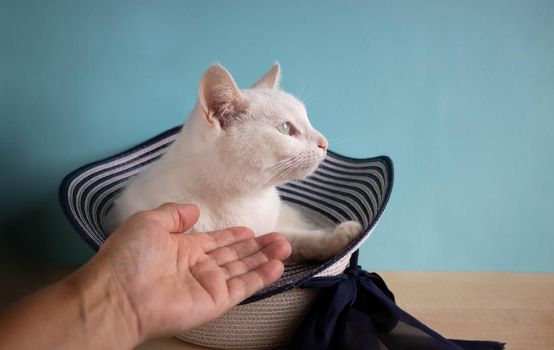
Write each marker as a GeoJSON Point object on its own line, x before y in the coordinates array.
{"type": "Point", "coordinates": [165, 282]}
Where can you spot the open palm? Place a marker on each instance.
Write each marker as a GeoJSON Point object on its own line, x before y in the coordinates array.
{"type": "Point", "coordinates": [176, 281]}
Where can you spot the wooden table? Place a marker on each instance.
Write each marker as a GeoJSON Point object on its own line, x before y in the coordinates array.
{"type": "Point", "coordinates": [514, 308]}
{"type": "Point", "coordinates": [517, 309]}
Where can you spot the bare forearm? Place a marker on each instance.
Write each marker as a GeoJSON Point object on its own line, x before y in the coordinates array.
{"type": "Point", "coordinates": [148, 280]}
{"type": "Point", "coordinates": [83, 311]}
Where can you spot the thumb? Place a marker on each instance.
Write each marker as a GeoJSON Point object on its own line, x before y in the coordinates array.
{"type": "Point", "coordinates": [176, 218]}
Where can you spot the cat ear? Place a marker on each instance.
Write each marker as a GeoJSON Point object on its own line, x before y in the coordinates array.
{"type": "Point", "coordinates": [271, 79]}
{"type": "Point", "coordinates": [220, 97]}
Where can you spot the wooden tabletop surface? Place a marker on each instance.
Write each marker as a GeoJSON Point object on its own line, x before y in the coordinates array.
{"type": "Point", "coordinates": [514, 308]}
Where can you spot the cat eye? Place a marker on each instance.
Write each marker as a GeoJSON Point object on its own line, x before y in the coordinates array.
{"type": "Point", "coordinates": [286, 128]}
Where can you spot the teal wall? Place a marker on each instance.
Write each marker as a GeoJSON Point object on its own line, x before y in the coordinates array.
{"type": "Point", "coordinates": [460, 94]}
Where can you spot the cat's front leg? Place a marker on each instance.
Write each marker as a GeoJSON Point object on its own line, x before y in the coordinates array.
{"type": "Point", "coordinates": [345, 233]}
{"type": "Point", "coordinates": [320, 244]}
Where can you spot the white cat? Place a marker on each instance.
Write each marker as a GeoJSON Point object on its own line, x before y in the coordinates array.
{"type": "Point", "coordinates": [235, 148]}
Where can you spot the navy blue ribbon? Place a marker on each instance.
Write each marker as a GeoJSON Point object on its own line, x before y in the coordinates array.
{"type": "Point", "coordinates": [357, 311]}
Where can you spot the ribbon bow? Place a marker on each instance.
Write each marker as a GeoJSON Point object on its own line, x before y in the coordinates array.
{"type": "Point", "coordinates": [357, 311]}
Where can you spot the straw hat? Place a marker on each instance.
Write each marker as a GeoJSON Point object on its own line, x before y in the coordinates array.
{"type": "Point", "coordinates": [341, 189]}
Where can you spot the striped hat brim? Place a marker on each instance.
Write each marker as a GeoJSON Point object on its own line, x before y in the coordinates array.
{"type": "Point", "coordinates": [341, 189]}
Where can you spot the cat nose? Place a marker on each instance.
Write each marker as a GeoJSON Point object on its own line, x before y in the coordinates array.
{"type": "Point", "coordinates": [322, 143]}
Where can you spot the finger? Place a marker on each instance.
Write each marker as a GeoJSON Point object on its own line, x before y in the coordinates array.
{"type": "Point", "coordinates": [276, 250]}
{"type": "Point", "coordinates": [175, 218]}
{"type": "Point", "coordinates": [245, 285]}
{"type": "Point", "coordinates": [210, 241]}
{"type": "Point", "coordinates": [237, 251]}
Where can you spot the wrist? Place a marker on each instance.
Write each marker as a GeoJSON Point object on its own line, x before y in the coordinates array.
{"type": "Point", "coordinates": [105, 312]}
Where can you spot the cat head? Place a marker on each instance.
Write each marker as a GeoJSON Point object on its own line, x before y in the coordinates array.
{"type": "Point", "coordinates": [260, 132]}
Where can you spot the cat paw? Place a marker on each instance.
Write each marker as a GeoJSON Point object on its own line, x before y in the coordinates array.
{"type": "Point", "coordinates": [346, 232]}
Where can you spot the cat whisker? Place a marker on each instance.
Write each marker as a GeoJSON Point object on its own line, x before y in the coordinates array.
{"type": "Point", "coordinates": [292, 165]}
{"type": "Point", "coordinates": [301, 92]}
{"type": "Point", "coordinates": [278, 165]}
{"type": "Point", "coordinates": [283, 167]}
